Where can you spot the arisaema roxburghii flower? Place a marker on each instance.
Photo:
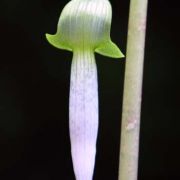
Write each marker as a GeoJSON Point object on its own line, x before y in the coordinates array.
{"type": "Point", "coordinates": [84, 28]}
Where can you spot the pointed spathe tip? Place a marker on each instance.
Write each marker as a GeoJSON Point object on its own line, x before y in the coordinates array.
{"type": "Point", "coordinates": [109, 49]}
{"type": "Point", "coordinates": [55, 40]}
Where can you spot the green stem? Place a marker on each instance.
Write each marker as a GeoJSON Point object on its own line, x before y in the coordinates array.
{"type": "Point", "coordinates": [129, 147]}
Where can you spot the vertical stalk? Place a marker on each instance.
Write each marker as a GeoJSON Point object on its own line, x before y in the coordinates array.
{"type": "Point", "coordinates": [128, 166]}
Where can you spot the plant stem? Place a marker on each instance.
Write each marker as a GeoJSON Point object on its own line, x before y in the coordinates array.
{"type": "Point", "coordinates": [129, 148]}
{"type": "Point", "coordinates": [83, 113]}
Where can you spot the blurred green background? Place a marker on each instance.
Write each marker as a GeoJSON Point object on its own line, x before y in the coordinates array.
{"type": "Point", "coordinates": [34, 89]}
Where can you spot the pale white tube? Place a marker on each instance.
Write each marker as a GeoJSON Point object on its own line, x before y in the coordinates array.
{"type": "Point", "coordinates": [83, 113]}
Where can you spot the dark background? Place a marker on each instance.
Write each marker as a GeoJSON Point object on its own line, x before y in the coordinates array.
{"type": "Point", "coordinates": [34, 89]}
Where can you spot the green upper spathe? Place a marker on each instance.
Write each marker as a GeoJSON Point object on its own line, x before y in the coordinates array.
{"type": "Point", "coordinates": [86, 24]}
